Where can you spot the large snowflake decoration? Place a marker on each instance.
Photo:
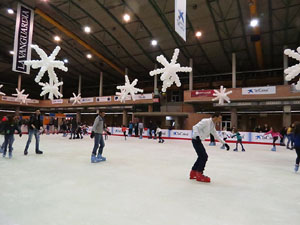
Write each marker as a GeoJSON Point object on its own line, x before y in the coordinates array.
{"type": "Point", "coordinates": [51, 89]}
{"type": "Point", "coordinates": [1, 93]}
{"type": "Point", "coordinates": [221, 95]}
{"type": "Point", "coordinates": [47, 63]}
{"type": "Point", "coordinates": [76, 99]}
{"type": "Point", "coordinates": [20, 97]}
{"type": "Point", "coordinates": [169, 72]}
{"type": "Point", "coordinates": [127, 89]}
{"type": "Point", "coordinates": [293, 71]}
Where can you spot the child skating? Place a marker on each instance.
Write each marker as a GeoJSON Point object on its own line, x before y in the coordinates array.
{"type": "Point", "coordinates": [159, 134]}
{"type": "Point", "coordinates": [225, 134]}
{"type": "Point", "coordinates": [124, 129]}
{"type": "Point", "coordinates": [275, 136]}
{"type": "Point", "coordinates": [239, 140]}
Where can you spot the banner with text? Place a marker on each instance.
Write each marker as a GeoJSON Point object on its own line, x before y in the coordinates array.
{"type": "Point", "coordinates": [259, 90]}
{"type": "Point", "coordinates": [180, 18]}
{"type": "Point", "coordinates": [23, 38]}
{"type": "Point", "coordinates": [204, 93]}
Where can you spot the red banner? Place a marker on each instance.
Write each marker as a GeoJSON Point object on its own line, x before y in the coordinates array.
{"type": "Point", "coordinates": [205, 93]}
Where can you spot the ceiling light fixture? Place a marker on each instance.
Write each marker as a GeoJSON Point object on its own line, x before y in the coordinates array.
{"type": "Point", "coordinates": [87, 29]}
{"type": "Point", "coordinates": [66, 60]}
{"type": "Point", "coordinates": [10, 11]}
{"type": "Point", "coordinates": [126, 17]}
{"type": "Point", "coordinates": [254, 22]}
{"type": "Point", "coordinates": [154, 42]}
{"type": "Point", "coordinates": [11, 52]}
{"type": "Point", "coordinates": [89, 56]}
{"type": "Point", "coordinates": [198, 34]}
{"type": "Point", "coordinates": [57, 38]}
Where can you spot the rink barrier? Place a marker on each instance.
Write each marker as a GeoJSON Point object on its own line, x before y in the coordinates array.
{"type": "Point", "coordinates": [247, 137]}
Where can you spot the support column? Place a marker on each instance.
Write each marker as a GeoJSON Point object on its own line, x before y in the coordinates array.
{"type": "Point", "coordinates": [285, 65]}
{"type": "Point", "coordinates": [126, 71]}
{"type": "Point", "coordinates": [191, 76]}
{"type": "Point", "coordinates": [78, 116]}
{"type": "Point", "coordinates": [101, 84]}
{"type": "Point", "coordinates": [79, 85]}
{"type": "Point", "coordinates": [233, 70]}
{"type": "Point", "coordinates": [150, 108]}
{"type": "Point", "coordinates": [287, 116]}
{"type": "Point", "coordinates": [234, 118]}
{"type": "Point", "coordinates": [19, 82]}
{"type": "Point", "coordinates": [124, 118]}
{"type": "Point", "coordinates": [155, 82]}
{"type": "Point", "coordinates": [17, 113]}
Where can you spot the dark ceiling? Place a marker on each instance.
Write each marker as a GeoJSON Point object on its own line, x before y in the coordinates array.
{"type": "Point", "coordinates": [223, 23]}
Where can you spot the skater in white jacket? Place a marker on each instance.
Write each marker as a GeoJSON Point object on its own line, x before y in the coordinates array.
{"type": "Point", "coordinates": [200, 132]}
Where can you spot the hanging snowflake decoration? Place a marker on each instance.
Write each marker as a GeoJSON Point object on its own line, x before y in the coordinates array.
{"type": "Point", "coordinates": [169, 72]}
{"type": "Point", "coordinates": [1, 93]}
{"type": "Point", "coordinates": [20, 97]}
{"type": "Point", "coordinates": [127, 89]}
{"type": "Point", "coordinates": [221, 95]}
{"type": "Point", "coordinates": [47, 63]}
{"type": "Point", "coordinates": [293, 71]}
{"type": "Point", "coordinates": [51, 89]}
{"type": "Point", "coordinates": [76, 99]}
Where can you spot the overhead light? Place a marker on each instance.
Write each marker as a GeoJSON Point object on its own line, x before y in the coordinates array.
{"type": "Point", "coordinates": [87, 29]}
{"type": "Point", "coordinates": [66, 60]}
{"type": "Point", "coordinates": [57, 38]}
{"type": "Point", "coordinates": [10, 11]}
{"type": "Point", "coordinates": [254, 22]}
{"type": "Point", "coordinates": [126, 17]}
{"type": "Point", "coordinates": [198, 34]}
{"type": "Point", "coordinates": [89, 56]}
{"type": "Point", "coordinates": [154, 42]}
{"type": "Point", "coordinates": [11, 52]}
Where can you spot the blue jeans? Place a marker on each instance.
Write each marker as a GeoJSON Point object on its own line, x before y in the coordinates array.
{"type": "Point", "coordinates": [8, 141]}
{"type": "Point", "coordinates": [36, 134]}
{"type": "Point", "coordinates": [290, 140]}
{"type": "Point", "coordinates": [98, 141]}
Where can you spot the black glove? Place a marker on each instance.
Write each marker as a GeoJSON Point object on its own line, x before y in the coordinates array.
{"type": "Point", "coordinates": [92, 134]}
{"type": "Point", "coordinates": [108, 132]}
{"type": "Point", "coordinates": [227, 147]}
{"type": "Point", "coordinates": [20, 134]}
{"type": "Point", "coordinates": [197, 138]}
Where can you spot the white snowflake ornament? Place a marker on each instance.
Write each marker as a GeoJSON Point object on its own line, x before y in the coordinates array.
{"type": "Point", "coordinates": [51, 89]}
{"type": "Point", "coordinates": [221, 95]}
{"type": "Point", "coordinates": [20, 97]}
{"type": "Point", "coordinates": [127, 89]}
{"type": "Point", "coordinates": [47, 63]}
{"type": "Point", "coordinates": [76, 99]}
{"type": "Point", "coordinates": [293, 71]}
{"type": "Point", "coordinates": [169, 72]}
{"type": "Point", "coordinates": [1, 93]}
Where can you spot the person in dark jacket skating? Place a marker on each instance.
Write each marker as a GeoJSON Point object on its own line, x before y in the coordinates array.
{"type": "Point", "coordinates": [9, 127]}
{"type": "Point", "coordinates": [34, 127]}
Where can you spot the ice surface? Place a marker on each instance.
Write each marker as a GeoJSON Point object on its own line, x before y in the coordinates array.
{"type": "Point", "coordinates": [146, 183]}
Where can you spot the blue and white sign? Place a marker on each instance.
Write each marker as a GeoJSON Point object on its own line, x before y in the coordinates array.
{"type": "Point", "coordinates": [267, 90]}
{"type": "Point", "coordinates": [180, 18]}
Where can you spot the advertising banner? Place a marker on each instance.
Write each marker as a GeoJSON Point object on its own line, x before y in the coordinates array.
{"type": "Point", "coordinates": [205, 93]}
{"type": "Point", "coordinates": [259, 90]}
{"type": "Point", "coordinates": [23, 38]}
{"type": "Point", "coordinates": [180, 18]}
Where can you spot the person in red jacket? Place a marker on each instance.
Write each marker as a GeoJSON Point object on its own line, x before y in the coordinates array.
{"type": "Point", "coordinates": [124, 128]}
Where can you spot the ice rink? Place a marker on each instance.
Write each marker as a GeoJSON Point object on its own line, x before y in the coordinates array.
{"type": "Point", "coordinates": [146, 183]}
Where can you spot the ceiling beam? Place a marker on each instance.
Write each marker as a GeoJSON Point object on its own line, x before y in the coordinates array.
{"type": "Point", "coordinates": [76, 38]}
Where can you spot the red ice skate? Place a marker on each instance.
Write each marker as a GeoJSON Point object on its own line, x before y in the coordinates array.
{"type": "Point", "coordinates": [193, 174]}
{"type": "Point", "coordinates": [202, 178]}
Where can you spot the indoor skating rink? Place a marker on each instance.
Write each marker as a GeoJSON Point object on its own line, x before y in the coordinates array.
{"type": "Point", "coordinates": [144, 182]}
